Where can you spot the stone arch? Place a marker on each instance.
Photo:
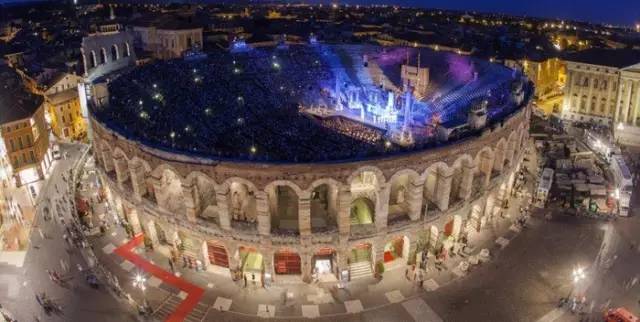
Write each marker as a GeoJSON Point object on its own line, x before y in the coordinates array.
{"type": "Point", "coordinates": [140, 171]}
{"type": "Point", "coordinates": [463, 170]}
{"type": "Point", "coordinates": [169, 193]}
{"type": "Point", "coordinates": [362, 212]}
{"type": "Point", "coordinates": [127, 50]}
{"type": "Point", "coordinates": [396, 252]}
{"type": "Point", "coordinates": [103, 56]}
{"type": "Point", "coordinates": [287, 261]}
{"type": "Point", "coordinates": [241, 200]}
{"type": "Point", "coordinates": [437, 186]}
{"type": "Point", "coordinates": [93, 59]}
{"type": "Point", "coordinates": [115, 54]}
{"type": "Point", "coordinates": [121, 164]}
{"type": "Point", "coordinates": [283, 199]}
{"type": "Point", "coordinates": [205, 197]}
{"type": "Point", "coordinates": [217, 253]}
{"type": "Point", "coordinates": [484, 166]}
{"type": "Point", "coordinates": [107, 157]}
{"type": "Point", "coordinates": [499, 155]}
{"type": "Point", "coordinates": [404, 196]}
{"type": "Point", "coordinates": [377, 173]}
{"type": "Point", "coordinates": [323, 204]}
{"type": "Point", "coordinates": [510, 151]}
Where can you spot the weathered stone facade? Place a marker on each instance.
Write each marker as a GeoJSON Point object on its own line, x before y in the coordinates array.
{"type": "Point", "coordinates": [438, 194]}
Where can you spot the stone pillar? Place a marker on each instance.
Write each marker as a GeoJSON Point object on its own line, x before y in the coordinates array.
{"type": "Point", "coordinates": [508, 154]}
{"type": "Point", "coordinates": [382, 207]}
{"type": "Point", "coordinates": [467, 182]}
{"type": "Point", "coordinates": [154, 186]}
{"type": "Point", "coordinates": [138, 183]}
{"type": "Point", "coordinates": [486, 166]}
{"type": "Point", "coordinates": [267, 260]}
{"type": "Point", "coordinates": [122, 170]}
{"type": "Point", "coordinates": [304, 215]}
{"type": "Point", "coordinates": [306, 266]}
{"type": "Point", "coordinates": [151, 232]}
{"type": "Point", "coordinates": [191, 201]}
{"type": "Point", "coordinates": [134, 221]}
{"type": "Point", "coordinates": [262, 210]}
{"type": "Point", "coordinates": [414, 198]}
{"type": "Point", "coordinates": [222, 202]}
{"type": "Point", "coordinates": [443, 192]}
{"type": "Point", "coordinates": [627, 102]}
{"type": "Point", "coordinates": [107, 161]}
{"type": "Point", "coordinates": [498, 161]}
{"type": "Point", "coordinates": [344, 210]}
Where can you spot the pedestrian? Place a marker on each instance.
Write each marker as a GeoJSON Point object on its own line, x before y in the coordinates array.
{"type": "Point", "coordinates": [171, 265]}
{"type": "Point", "coordinates": [253, 278]}
{"type": "Point", "coordinates": [245, 280]}
{"type": "Point", "coordinates": [406, 273]}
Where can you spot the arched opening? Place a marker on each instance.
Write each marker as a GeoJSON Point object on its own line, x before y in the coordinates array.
{"type": "Point", "coordinates": [484, 165]}
{"type": "Point", "coordinates": [126, 50]}
{"type": "Point", "coordinates": [287, 262]}
{"type": "Point", "coordinates": [324, 263]}
{"type": "Point", "coordinates": [189, 248]}
{"type": "Point", "coordinates": [217, 254]}
{"type": "Point", "coordinates": [475, 220]}
{"type": "Point", "coordinates": [206, 194]}
{"type": "Point", "coordinates": [242, 205]}
{"type": "Point", "coordinates": [500, 156]}
{"type": "Point", "coordinates": [161, 234]}
{"type": "Point", "coordinates": [103, 56]}
{"type": "Point", "coordinates": [396, 252]}
{"type": "Point", "coordinates": [170, 196]}
{"type": "Point", "coordinates": [436, 188]}
{"type": "Point", "coordinates": [189, 42]}
{"type": "Point", "coordinates": [251, 265]}
{"type": "Point", "coordinates": [399, 199]}
{"type": "Point", "coordinates": [93, 60]}
{"type": "Point", "coordinates": [362, 215]}
{"type": "Point", "coordinates": [360, 259]}
{"type": "Point", "coordinates": [114, 53]}
{"type": "Point", "coordinates": [283, 206]}
{"type": "Point", "coordinates": [461, 180]}
{"type": "Point", "coordinates": [453, 231]}
{"type": "Point", "coordinates": [324, 208]}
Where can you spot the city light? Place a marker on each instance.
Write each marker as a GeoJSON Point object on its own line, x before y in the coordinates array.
{"type": "Point", "coordinates": [578, 274]}
{"type": "Point", "coordinates": [620, 126]}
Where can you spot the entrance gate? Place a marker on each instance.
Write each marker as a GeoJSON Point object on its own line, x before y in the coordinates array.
{"type": "Point", "coordinates": [218, 254]}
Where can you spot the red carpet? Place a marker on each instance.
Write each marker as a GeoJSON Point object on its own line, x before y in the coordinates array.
{"type": "Point", "coordinates": [194, 292]}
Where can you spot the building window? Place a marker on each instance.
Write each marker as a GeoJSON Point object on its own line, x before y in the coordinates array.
{"type": "Point", "coordinates": [114, 53]}
{"type": "Point", "coordinates": [103, 56]}
{"type": "Point", "coordinates": [585, 82]}
{"type": "Point", "coordinates": [33, 157]}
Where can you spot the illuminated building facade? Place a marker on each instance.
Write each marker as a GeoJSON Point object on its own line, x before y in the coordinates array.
{"type": "Point", "coordinates": [25, 140]}
{"type": "Point", "coordinates": [168, 39]}
{"type": "Point", "coordinates": [603, 86]}
{"type": "Point", "coordinates": [63, 108]}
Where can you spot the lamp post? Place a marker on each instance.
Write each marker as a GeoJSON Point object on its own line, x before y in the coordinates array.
{"type": "Point", "coordinates": [139, 282]}
{"type": "Point", "coordinates": [577, 275]}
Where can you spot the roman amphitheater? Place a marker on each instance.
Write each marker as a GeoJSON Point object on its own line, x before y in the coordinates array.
{"type": "Point", "coordinates": [254, 194]}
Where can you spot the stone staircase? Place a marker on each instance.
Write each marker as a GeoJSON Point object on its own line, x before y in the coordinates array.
{"type": "Point", "coordinates": [170, 305]}
{"type": "Point", "coordinates": [360, 270]}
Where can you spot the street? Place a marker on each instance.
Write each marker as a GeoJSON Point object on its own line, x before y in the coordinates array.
{"type": "Point", "coordinates": [19, 286]}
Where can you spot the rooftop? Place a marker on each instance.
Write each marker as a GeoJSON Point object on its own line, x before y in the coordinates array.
{"type": "Point", "coordinates": [16, 102]}
{"type": "Point", "coordinates": [618, 58]}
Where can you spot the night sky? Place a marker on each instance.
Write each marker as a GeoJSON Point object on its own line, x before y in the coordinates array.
{"type": "Point", "coordinates": [625, 12]}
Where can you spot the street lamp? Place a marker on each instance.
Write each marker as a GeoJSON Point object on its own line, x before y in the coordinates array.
{"type": "Point", "coordinates": [578, 274]}
{"type": "Point", "coordinates": [139, 282]}
{"type": "Point", "coordinates": [620, 126]}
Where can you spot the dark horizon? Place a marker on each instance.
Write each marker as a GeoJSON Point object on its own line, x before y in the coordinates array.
{"type": "Point", "coordinates": [616, 12]}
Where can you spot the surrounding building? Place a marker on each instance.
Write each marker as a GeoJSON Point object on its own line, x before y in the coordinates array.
{"type": "Point", "coordinates": [603, 87]}
{"type": "Point", "coordinates": [25, 139]}
{"type": "Point", "coordinates": [168, 38]}
{"type": "Point", "coordinates": [63, 107]}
